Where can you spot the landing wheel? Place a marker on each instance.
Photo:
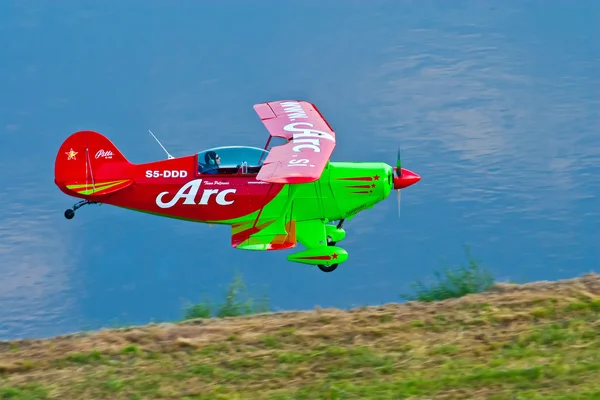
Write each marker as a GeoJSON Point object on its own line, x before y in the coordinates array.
{"type": "Point", "coordinates": [324, 268]}
{"type": "Point", "coordinates": [70, 213]}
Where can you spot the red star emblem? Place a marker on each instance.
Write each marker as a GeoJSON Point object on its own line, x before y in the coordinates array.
{"type": "Point", "coordinates": [373, 185]}
{"type": "Point", "coordinates": [71, 154]}
{"type": "Point", "coordinates": [334, 256]}
{"type": "Point", "coordinates": [376, 177]}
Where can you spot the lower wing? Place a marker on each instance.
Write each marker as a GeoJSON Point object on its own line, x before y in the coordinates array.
{"type": "Point", "coordinates": [274, 234]}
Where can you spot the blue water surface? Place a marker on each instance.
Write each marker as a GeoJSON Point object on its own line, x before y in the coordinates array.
{"type": "Point", "coordinates": [494, 103]}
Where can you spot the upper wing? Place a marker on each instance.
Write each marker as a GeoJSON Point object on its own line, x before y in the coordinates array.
{"type": "Point", "coordinates": [310, 141]}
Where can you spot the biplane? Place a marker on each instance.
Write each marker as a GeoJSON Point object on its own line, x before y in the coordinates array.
{"type": "Point", "coordinates": [272, 197]}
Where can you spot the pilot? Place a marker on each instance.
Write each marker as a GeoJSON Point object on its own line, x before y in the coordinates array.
{"type": "Point", "coordinates": [212, 160]}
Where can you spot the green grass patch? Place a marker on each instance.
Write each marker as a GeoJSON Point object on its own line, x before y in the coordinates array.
{"type": "Point", "coordinates": [24, 392]}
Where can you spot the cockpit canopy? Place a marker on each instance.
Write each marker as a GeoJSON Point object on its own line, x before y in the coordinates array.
{"type": "Point", "coordinates": [231, 160]}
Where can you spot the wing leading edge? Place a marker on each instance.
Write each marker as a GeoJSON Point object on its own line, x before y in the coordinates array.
{"type": "Point", "coordinates": [310, 141]}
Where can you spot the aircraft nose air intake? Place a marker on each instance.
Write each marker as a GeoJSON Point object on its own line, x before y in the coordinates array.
{"type": "Point", "coordinates": [406, 179]}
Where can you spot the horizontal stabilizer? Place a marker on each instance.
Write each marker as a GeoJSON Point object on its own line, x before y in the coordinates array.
{"type": "Point", "coordinates": [99, 188]}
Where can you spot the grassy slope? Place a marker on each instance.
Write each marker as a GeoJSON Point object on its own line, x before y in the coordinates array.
{"type": "Point", "coordinates": [537, 340]}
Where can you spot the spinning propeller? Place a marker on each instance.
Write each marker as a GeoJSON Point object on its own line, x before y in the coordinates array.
{"type": "Point", "coordinates": [403, 178]}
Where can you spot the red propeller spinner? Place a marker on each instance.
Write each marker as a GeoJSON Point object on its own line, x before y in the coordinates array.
{"type": "Point", "coordinates": [405, 178]}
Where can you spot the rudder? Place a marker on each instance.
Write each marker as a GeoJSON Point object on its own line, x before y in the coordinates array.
{"type": "Point", "coordinates": [88, 164]}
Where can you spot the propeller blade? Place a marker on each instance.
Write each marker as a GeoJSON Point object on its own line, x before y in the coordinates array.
{"type": "Point", "coordinates": [399, 196]}
{"type": "Point", "coordinates": [398, 164]}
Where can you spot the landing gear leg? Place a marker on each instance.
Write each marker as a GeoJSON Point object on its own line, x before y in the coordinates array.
{"type": "Point", "coordinates": [331, 242]}
{"type": "Point", "coordinates": [317, 236]}
{"type": "Point", "coordinates": [70, 213]}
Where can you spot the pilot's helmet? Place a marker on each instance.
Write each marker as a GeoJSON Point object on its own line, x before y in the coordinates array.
{"type": "Point", "coordinates": [210, 158]}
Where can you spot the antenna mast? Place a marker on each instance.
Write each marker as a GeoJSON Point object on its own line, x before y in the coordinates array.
{"type": "Point", "coordinates": [168, 155]}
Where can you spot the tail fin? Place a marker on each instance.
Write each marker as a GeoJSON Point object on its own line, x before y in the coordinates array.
{"type": "Point", "coordinates": [89, 165]}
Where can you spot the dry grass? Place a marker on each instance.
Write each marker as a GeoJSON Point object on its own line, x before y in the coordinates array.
{"type": "Point", "coordinates": [537, 340]}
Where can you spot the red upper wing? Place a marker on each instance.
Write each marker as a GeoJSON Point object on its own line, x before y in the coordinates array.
{"type": "Point", "coordinates": [310, 141]}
